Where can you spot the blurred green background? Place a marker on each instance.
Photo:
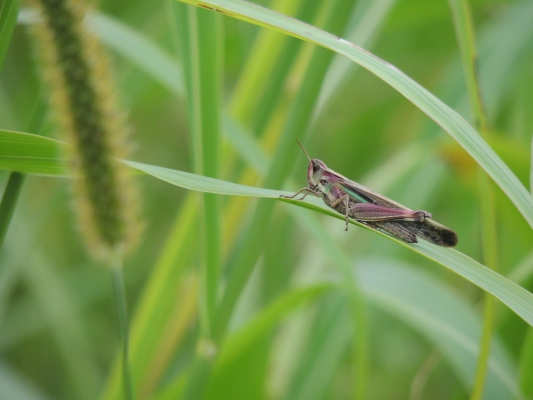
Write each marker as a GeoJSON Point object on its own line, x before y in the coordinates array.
{"type": "Point", "coordinates": [422, 323]}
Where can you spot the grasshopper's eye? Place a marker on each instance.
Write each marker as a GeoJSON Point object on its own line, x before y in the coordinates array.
{"type": "Point", "coordinates": [316, 165]}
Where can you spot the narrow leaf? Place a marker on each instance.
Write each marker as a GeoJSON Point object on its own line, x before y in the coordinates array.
{"type": "Point", "coordinates": [8, 19]}
{"type": "Point", "coordinates": [515, 297]}
{"type": "Point", "coordinates": [33, 154]}
{"type": "Point", "coordinates": [442, 114]}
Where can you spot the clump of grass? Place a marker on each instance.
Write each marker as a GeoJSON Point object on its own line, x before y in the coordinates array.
{"type": "Point", "coordinates": [84, 105]}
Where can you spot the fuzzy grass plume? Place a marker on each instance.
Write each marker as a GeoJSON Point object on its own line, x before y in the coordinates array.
{"type": "Point", "coordinates": [84, 104]}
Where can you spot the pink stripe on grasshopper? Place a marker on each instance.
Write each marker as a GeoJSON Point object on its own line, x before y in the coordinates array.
{"type": "Point", "coordinates": [374, 212]}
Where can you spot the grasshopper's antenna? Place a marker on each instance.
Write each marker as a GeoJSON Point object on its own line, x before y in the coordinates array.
{"type": "Point", "coordinates": [307, 155]}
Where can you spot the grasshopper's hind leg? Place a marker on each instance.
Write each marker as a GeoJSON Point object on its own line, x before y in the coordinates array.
{"type": "Point", "coordinates": [368, 212]}
{"type": "Point", "coordinates": [346, 200]}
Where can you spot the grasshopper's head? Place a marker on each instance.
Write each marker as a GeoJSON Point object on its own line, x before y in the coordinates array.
{"type": "Point", "coordinates": [315, 170]}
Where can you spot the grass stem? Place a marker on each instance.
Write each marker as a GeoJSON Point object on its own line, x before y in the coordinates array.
{"type": "Point", "coordinates": [122, 316]}
{"type": "Point", "coordinates": [464, 29]}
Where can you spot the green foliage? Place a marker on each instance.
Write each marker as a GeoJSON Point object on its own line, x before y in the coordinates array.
{"type": "Point", "coordinates": [302, 309]}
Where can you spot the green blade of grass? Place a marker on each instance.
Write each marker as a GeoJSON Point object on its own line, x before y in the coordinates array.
{"type": "Point", "coordinates": [259, 74]}
{"type": "Point", "coordinates": [253, 332]}
{"type": "Point", "coordinates": [443, 115]}
{"type": "Point", "coordinates": [175, 308]}
{"type": "Point", "coordinates": [422, 302]}
{"type": "Point", "coordinates": [9, 10]}
{"type": "Point", "coordinates": [119, 289]}
{"type": "Point", "coordinates": [356, 306]}
{"type": "Point", "coordinates": [243, 340]}
{"type": "Point", "coordinates": [9, 200]}
{"type": "Point", "coordinates": [442, 317]}
{"type": "Point", "coordinates": [25, 152]}
{"type": "Point", "coordinates": [514, 296]}
{"type": "Point", "coordinates": [203, 54]}
{"type": "Point", "coordinates": [497, 60]}
{"type": "Point", "coordinates": [526, 364]}
{"type": "Point", "coordinates": [200, 37]}
{"type": "Point", "coordinates": [370, 15]}
{"type": "Point", "coordinates": [16, 178]}
{"type": "Point", "coordinates": [464, 31]}
{"type": "Point", "coordinates": [297, 121]}
{"type": "Point", "coordinates": [323, 351]}
{"type": "Point", "coordinates": [137, 49]}
{"type": "Point", "coordinates": [169, 371]}
{"type": "Point", "coordinates": [412, 296]}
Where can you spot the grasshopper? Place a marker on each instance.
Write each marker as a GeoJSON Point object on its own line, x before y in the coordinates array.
{"type": "Point", "coordinates": [376, 211]}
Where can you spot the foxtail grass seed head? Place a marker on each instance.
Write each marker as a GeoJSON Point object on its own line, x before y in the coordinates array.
{"type": "Point", "coordinates": [84, 106]}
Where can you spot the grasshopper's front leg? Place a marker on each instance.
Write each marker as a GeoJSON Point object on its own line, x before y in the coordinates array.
{"type": "Point", "coordinates": [305, 189]}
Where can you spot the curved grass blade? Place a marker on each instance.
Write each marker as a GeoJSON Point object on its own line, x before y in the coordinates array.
{"type": "Point", "coordinates": [515, 297]}
{"type": "Point", "coordinates": [445, 319]}
{"type": "Point", "coordinates": [259, 326]}
{"type": "Point", "coordinates": [8, 19]}
{"type": "Point", "coordinates": [137, 49]}
{"type": "Point", "coordinates": [442, 114]}
{"type": "Point", "coordinates": [422, 301]}
{"type": "Point", "coordinates": [414, 297]}
{"type": "Point", "coordinates": [32, 154]}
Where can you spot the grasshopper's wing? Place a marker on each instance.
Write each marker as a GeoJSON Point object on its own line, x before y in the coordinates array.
{"type": "Point", "coordinates": [395, 229]}
{"type": "Point", "coordinates": [428, 229]}
{"type": "Point", "coordinates": [432, 231]}
{"type": "Point", "coordinates": [362, 194]}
